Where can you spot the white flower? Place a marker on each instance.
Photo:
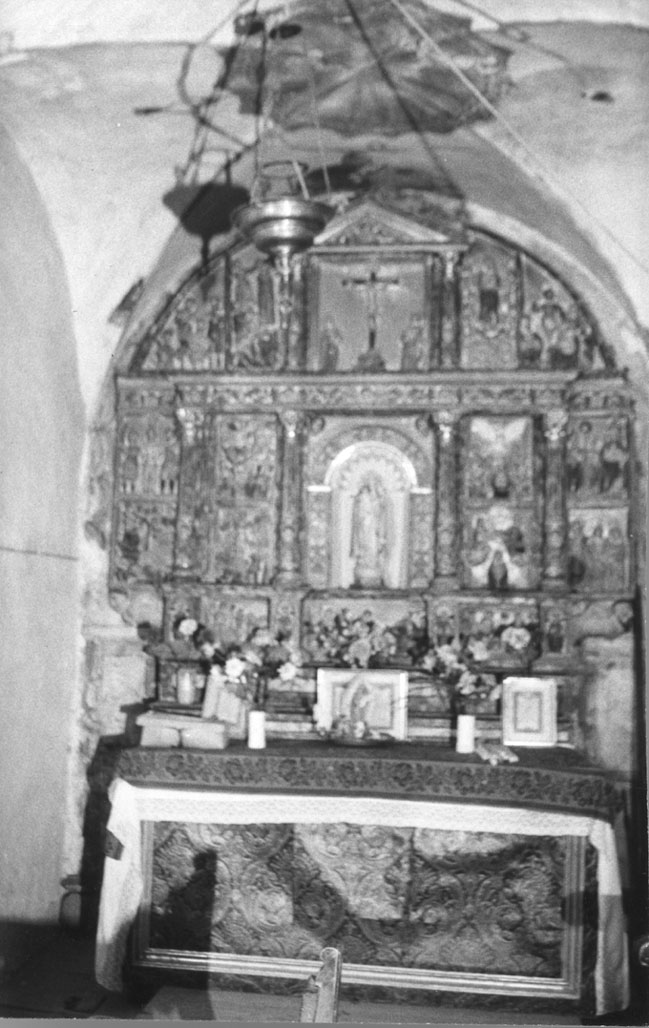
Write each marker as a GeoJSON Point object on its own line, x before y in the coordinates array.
{"type": "Point", "coordinates": [467, 683]}
{"type": "Point", "coordinates": [516, 638]}
{"type": "Point", "coordinates": [208, 650]}
{"type": "Point", "coordinates": [479, 651]}
{"type": "Point", "coordinates": [234, 667]}
{"type": "Point", "coordinates": [287, 671]}
{"type": "Point", "coordinates": [295, 657]}
{"type": "Point", "coordinates": [448, 657]}
{"type": "Point", "coordinates": [187, 627]}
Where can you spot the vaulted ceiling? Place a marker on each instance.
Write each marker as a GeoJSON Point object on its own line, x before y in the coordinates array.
{"type": "Point", "coordinates": [572, 171]}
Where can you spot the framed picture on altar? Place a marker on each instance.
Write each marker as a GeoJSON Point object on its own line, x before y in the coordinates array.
{"type": "Point", "coordinates": [529, 711]}
{"type": "Point", "coordinates": [379, 698]}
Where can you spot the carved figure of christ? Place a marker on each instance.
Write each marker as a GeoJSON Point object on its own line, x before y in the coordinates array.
{"type": "Point", "coordinates": [371, 285]}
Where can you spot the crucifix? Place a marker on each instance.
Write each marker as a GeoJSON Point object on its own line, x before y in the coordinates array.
{"type": "Point", "coordinates": [371, 286]}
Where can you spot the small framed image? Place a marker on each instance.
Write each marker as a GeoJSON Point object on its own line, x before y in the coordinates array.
{"type": "Point", "coordinates": [529, 708]}
{"type": "Point", "coordinates": [379, 698]}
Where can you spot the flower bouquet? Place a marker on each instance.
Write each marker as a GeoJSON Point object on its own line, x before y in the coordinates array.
{"type": "Point", "coordinates": [362, 641]}
{"type": "Point", "coordinates": [465, 689]}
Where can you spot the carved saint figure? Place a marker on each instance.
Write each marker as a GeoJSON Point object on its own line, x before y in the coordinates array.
{"type": "Point", "coordinates": [369, 539]}
{"type": "Point", "coordinates": [412, 345]}
{"type": "Point", "coordinates": [330, 345]}
{"type": "Point", "coordinates": [613, 457]}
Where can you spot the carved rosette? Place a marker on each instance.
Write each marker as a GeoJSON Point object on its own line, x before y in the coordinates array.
{"type": "Point", "coordinates": [446, 535]}
{"type": "Point", "coordinates": [289, 562]}
{"type": "Point", "coordinates": [554, 563]}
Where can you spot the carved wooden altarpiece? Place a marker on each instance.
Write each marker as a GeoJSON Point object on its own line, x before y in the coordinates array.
{"type": "Point", "coordinates": [432, 431]}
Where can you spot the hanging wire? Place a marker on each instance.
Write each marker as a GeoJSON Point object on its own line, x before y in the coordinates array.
{"type": "Point", "coordinates": [531, 152]}
{"type": "Point", "coordinates": [202, 110]}
{"type": "Point", "coordinates": [316, 118]}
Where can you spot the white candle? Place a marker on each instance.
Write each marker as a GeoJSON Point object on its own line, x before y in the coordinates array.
{"type": "Point", "coordinates": [465, 742]}
{"type": "Point", "coordinates": [184, 687]}
{"type": "Point", "coordinates": [257, 729]}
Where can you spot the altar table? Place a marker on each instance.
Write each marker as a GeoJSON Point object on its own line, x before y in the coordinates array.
{"type": "Point", "coordinates": [430, 871]}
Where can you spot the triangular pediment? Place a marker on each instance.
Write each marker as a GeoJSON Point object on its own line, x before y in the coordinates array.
{"type": "Point", "coordinates": [371, 224]}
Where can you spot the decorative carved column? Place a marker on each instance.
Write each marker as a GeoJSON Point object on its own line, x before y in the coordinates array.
{"type": "Point", "coordinates": [554, 521]}
{"type": "Point", "coordinates": [447, 521]}
{"type": "Point", "coordinates": [187, 558]}
{"type": "Point", "coordinates": [297, 323]}
{"type": "Point", "coordinates": [449, 333]}
{"type": "Point", "coordinates": [290, 520]}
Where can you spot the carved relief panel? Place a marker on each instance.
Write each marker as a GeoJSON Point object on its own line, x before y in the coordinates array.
{"type": "Point", "coordinates": [372, 315]}
{"type": "Point", "coordinates": [242, 518]}
{"type": "Point", "coordinates": [489, 300]}
{"type": "Point", "coordinates": [554, 332]}
{"type": "Point", "coordinates": [148, 464]}
{"type": "Point", "coordinates": [598, 465]}
{"type": "Point", "coordinates": [501, 533]}
{"type": "Point", "coordinates": [192, 335]}
{"type": "Point", "coordinates": [231, 615]}
{"type": "Point", "coordinates": [255, 343]}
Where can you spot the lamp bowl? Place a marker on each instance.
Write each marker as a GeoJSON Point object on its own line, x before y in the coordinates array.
{"type": "Point", "coordinates": [286, 224]}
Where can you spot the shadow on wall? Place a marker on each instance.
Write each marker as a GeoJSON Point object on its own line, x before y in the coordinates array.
{"type": "Point", "coordinates": [205, 210]}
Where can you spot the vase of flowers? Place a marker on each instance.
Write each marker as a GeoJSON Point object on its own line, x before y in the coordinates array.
{"type": "Point", "coordinates": [466, 689]}
{"type": "Point", "coordinates": [238, 675]}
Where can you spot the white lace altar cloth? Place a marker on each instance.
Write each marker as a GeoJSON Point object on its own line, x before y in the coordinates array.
{"type": "Point", "coordinates": [122, 882]}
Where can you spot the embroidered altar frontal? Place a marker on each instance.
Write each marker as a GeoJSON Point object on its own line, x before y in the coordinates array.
{"type": "Point", "coordinates": [387, 896]}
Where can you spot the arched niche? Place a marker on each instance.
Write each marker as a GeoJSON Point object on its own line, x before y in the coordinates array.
{"type": "Point", "coordinates": [369, 485]}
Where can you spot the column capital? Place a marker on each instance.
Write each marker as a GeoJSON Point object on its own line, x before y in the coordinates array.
{"type": "Point", "coordinates": [446, 422]}
{"type": "Point", "coordinates": [555, 426]}
{"type": "Point", "coordinates": [450, 263]}
{"type": "Point", "coordinates": [190, 419]}
{"type": "Point", "coordinates": [292, 420]}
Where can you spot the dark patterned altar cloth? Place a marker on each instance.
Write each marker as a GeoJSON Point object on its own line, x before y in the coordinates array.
{"type": "Point", "coordinates": [545, 779]}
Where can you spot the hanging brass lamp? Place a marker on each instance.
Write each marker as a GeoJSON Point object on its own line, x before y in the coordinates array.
{"type": "Point", "coordinates": [278, 221]}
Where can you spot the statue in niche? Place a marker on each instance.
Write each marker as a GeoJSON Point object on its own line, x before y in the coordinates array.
{"type": "Point", "coordinates": [501, 483]}
{"type": "Point", "coordinates": [330, 345]}
{"type": "Point", "coordinates": [530, 347]}
{"type": "Point", "coordinates": [480, 550]}
{"type": "Point", "coordinates": [489, 305]}
{"type": "Point", "coordinates": [413, 352]}
{"type": "Point", "coordinates": [369, 537]}
{"type": "Point", "coordinates": [595, 550]}
{"type": "Point", "coordinates": [577, 556]}
{"type": "Point", "coordinates": [497, 574]}
{"type": "Point", "coordinates": [613, 458]}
